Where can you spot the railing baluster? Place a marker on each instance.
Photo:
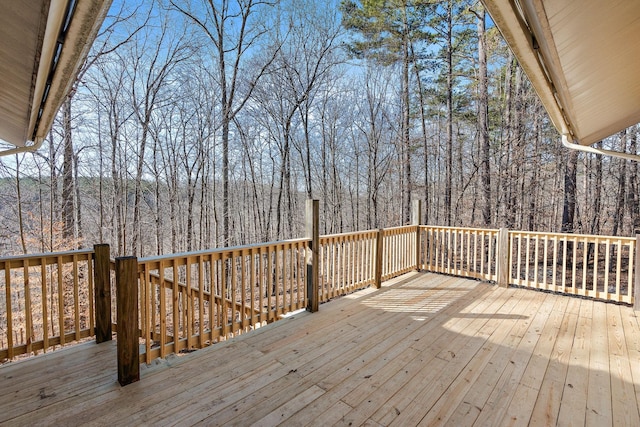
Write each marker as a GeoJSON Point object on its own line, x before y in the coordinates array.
{"type": "Point", "coordinates": [270, 266]}
{"type": "Point", "coordinates": [76, 298]}
{"type": "Point", "coordinates": [634, 254]}
{"type": "Point", "coordinates": [252, 283]}
{"type": "Point", "coordinates": [278, 251]}
{"type": "Point", "coordinates": [555, 263]}
{"type": "Point", "coordinates": [519, 269]}
{"type": "Point", "coordinates": [175, 297]}
{"type": "Point", "coordinates": [618, 269]}
{"type": "Point", "coordinates": [45, 305]}
{"type": "Point", "coordinates": [574, 266]}
{"type": "Point", "coordinates": [262, 284]}
{"type": "Point", "coordinates": [476, 248]}
{"type": "Point", "coordinates": [187, 305]}
{"type": "Point", "coordinates": [163, 310]}
{"type": "Point", "coordinates": [201, 297]}
{"type": "Point", "coordinates": [60, 300]}
{"type": "Point", "coordinates": [594, 272]}
{"type": "Point", "coordinates": [146, 286]}
{"type": "Point", "coordinates": [485, 255]}
{"type": "Point", "coordinates": [27, 307]}
{"type": "Point", "coordinates": [545, 242]}
{"type": "Point", "coordinates": [8, 298]}
{"type": "Point", "coordinates": [565, 242]}
{"type": "Point", "coordinates": [607, 265]}
{"type": "Point", "coordinates": [91, 288]}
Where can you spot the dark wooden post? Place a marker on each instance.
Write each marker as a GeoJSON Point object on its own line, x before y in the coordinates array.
{"type": "Point", "coordinates": [416, 216]}
{"type": "Point", "coordinates": [313, 256]}
{"type": "Point", "coordinates": [636, 275]}
{"type": "Point", "coordinates": [127, 328]}
{"type": "Point", "coordinates": [102, 294]}
{"type": "Point", "coordinates": [503, 254]}
{"type": "Point", "coordinates": [378, 259]}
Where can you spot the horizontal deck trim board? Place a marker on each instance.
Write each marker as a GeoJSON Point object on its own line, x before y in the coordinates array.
{"type": "Point", "coordinates": [424, 349]}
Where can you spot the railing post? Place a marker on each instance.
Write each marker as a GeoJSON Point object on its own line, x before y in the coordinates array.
{"type": "Point", "coordinates": [378, 260]}
{"type": "Point", "coordinates": [102, 294]}
{"type": "Point", "coordinates": [127, 318]}
{"type": "Point", "coordinates": [502, 258]}
{"type": "Point", "coordinates": [416, 218]}
{"type": "Point", "coordinates": [313, 256]}
{"type": "Point", "coordinates": [636, 275]}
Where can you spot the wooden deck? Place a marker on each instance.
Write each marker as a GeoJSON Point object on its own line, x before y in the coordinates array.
{"type": "Point", "coordinates": [423, 350]}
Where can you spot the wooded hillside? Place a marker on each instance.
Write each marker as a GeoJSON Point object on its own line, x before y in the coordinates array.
{"type": "Point", "coordinates": [200, 124]}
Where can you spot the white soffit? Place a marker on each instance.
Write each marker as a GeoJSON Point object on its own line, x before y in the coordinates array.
{"type": "Point", "coordinates": [582, 57]}
{"type": "Point", "coordinates": [29, 34]}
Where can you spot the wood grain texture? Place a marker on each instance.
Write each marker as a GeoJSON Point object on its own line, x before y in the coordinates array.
{"type": "Point", "coordinates": [127, 320]}
{"type": "Point", "coordinates": [425, 349]}
{"type": "Point", "coordinates": [102, 293]}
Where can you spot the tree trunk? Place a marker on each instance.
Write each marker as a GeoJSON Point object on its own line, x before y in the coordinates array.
{"type": "Point", "coordinates": [569, 205]}
{"type": "Point", "coordinates": [483, 120]}
{"type": "Point", "coordinates": [68, 190]}
{"type": "Point", "coordinates": [597, 193]}
{"type": "Point", "coordinates": [78, 201]}
{"type": "Point", "coordinates": [449, 152]}
{"type": "Point", "coordinates": [633, 203]}
{"type": "Point", "coordinates": [618, 216]}
{"type": "Point", "coordinates": [406, 143]}
{"type": "Point", "coordinates": [23, 243]}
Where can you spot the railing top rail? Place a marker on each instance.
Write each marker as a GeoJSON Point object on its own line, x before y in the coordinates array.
{"type": "Point", "coordinates": [573, 235]}
{"type": "Point", "coordinates": [47, 255]}
{"type": "Point", "coordinates": [400, 227]}
{"type": "Point", "coordinates": [447, 227]}
{"type": "Point", "coordinates": [353, 233]}
{"type": "Point", "coordinates": [221, 250]}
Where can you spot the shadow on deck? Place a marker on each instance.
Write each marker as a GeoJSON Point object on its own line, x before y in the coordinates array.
{"type": "Point", "coordinates": [425, 349]}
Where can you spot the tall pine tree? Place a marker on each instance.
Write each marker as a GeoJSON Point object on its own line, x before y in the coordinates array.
{"type": "Point", "coordinates": [386, 32]}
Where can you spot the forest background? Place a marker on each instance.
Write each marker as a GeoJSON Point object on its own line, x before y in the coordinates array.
{"type": "Point", "coordinates": [199, 124]}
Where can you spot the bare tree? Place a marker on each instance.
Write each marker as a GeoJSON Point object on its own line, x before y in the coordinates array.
{"type": "Point", "coordinates": [151, 70]}
{"type": "Point", "coordinates": [483, 117]}
{"type": "Point", "coordinates": [234, 29]}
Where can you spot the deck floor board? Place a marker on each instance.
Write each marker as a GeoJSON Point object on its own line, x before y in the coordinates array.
{"type": "Point", "coordinates": [425, 349]}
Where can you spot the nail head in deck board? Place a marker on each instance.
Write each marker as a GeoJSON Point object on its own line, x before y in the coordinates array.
{"type": "Point", "coordinates": [127, 318]}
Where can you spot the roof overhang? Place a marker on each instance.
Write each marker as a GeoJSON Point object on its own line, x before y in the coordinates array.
{"type": "Point", "coordinates": [43, 44]}
{"type": "Point", "coordinates": [582, 57]}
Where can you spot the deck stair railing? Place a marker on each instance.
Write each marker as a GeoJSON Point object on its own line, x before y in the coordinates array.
{"type": "Point", "coordinates": [180, 302]}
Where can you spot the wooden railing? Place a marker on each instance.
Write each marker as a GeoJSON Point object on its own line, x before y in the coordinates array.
{"type": "Point", "coordinates": [466, 252]}
{"type": "Point", "coordinates": [599, 267]}
{"type": "Point", "coordinates": [347, 263]}
{"type": "Point", "coordinates": [181, 302]}
{"type": "Point", "coordinates": [399, 250]}
{"type": "Point", "coordinates": [191, 300]}
{"type": "Point", "coordinates": [47, 300]}
{"type": "Point", "coordinates": [352, 261]}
